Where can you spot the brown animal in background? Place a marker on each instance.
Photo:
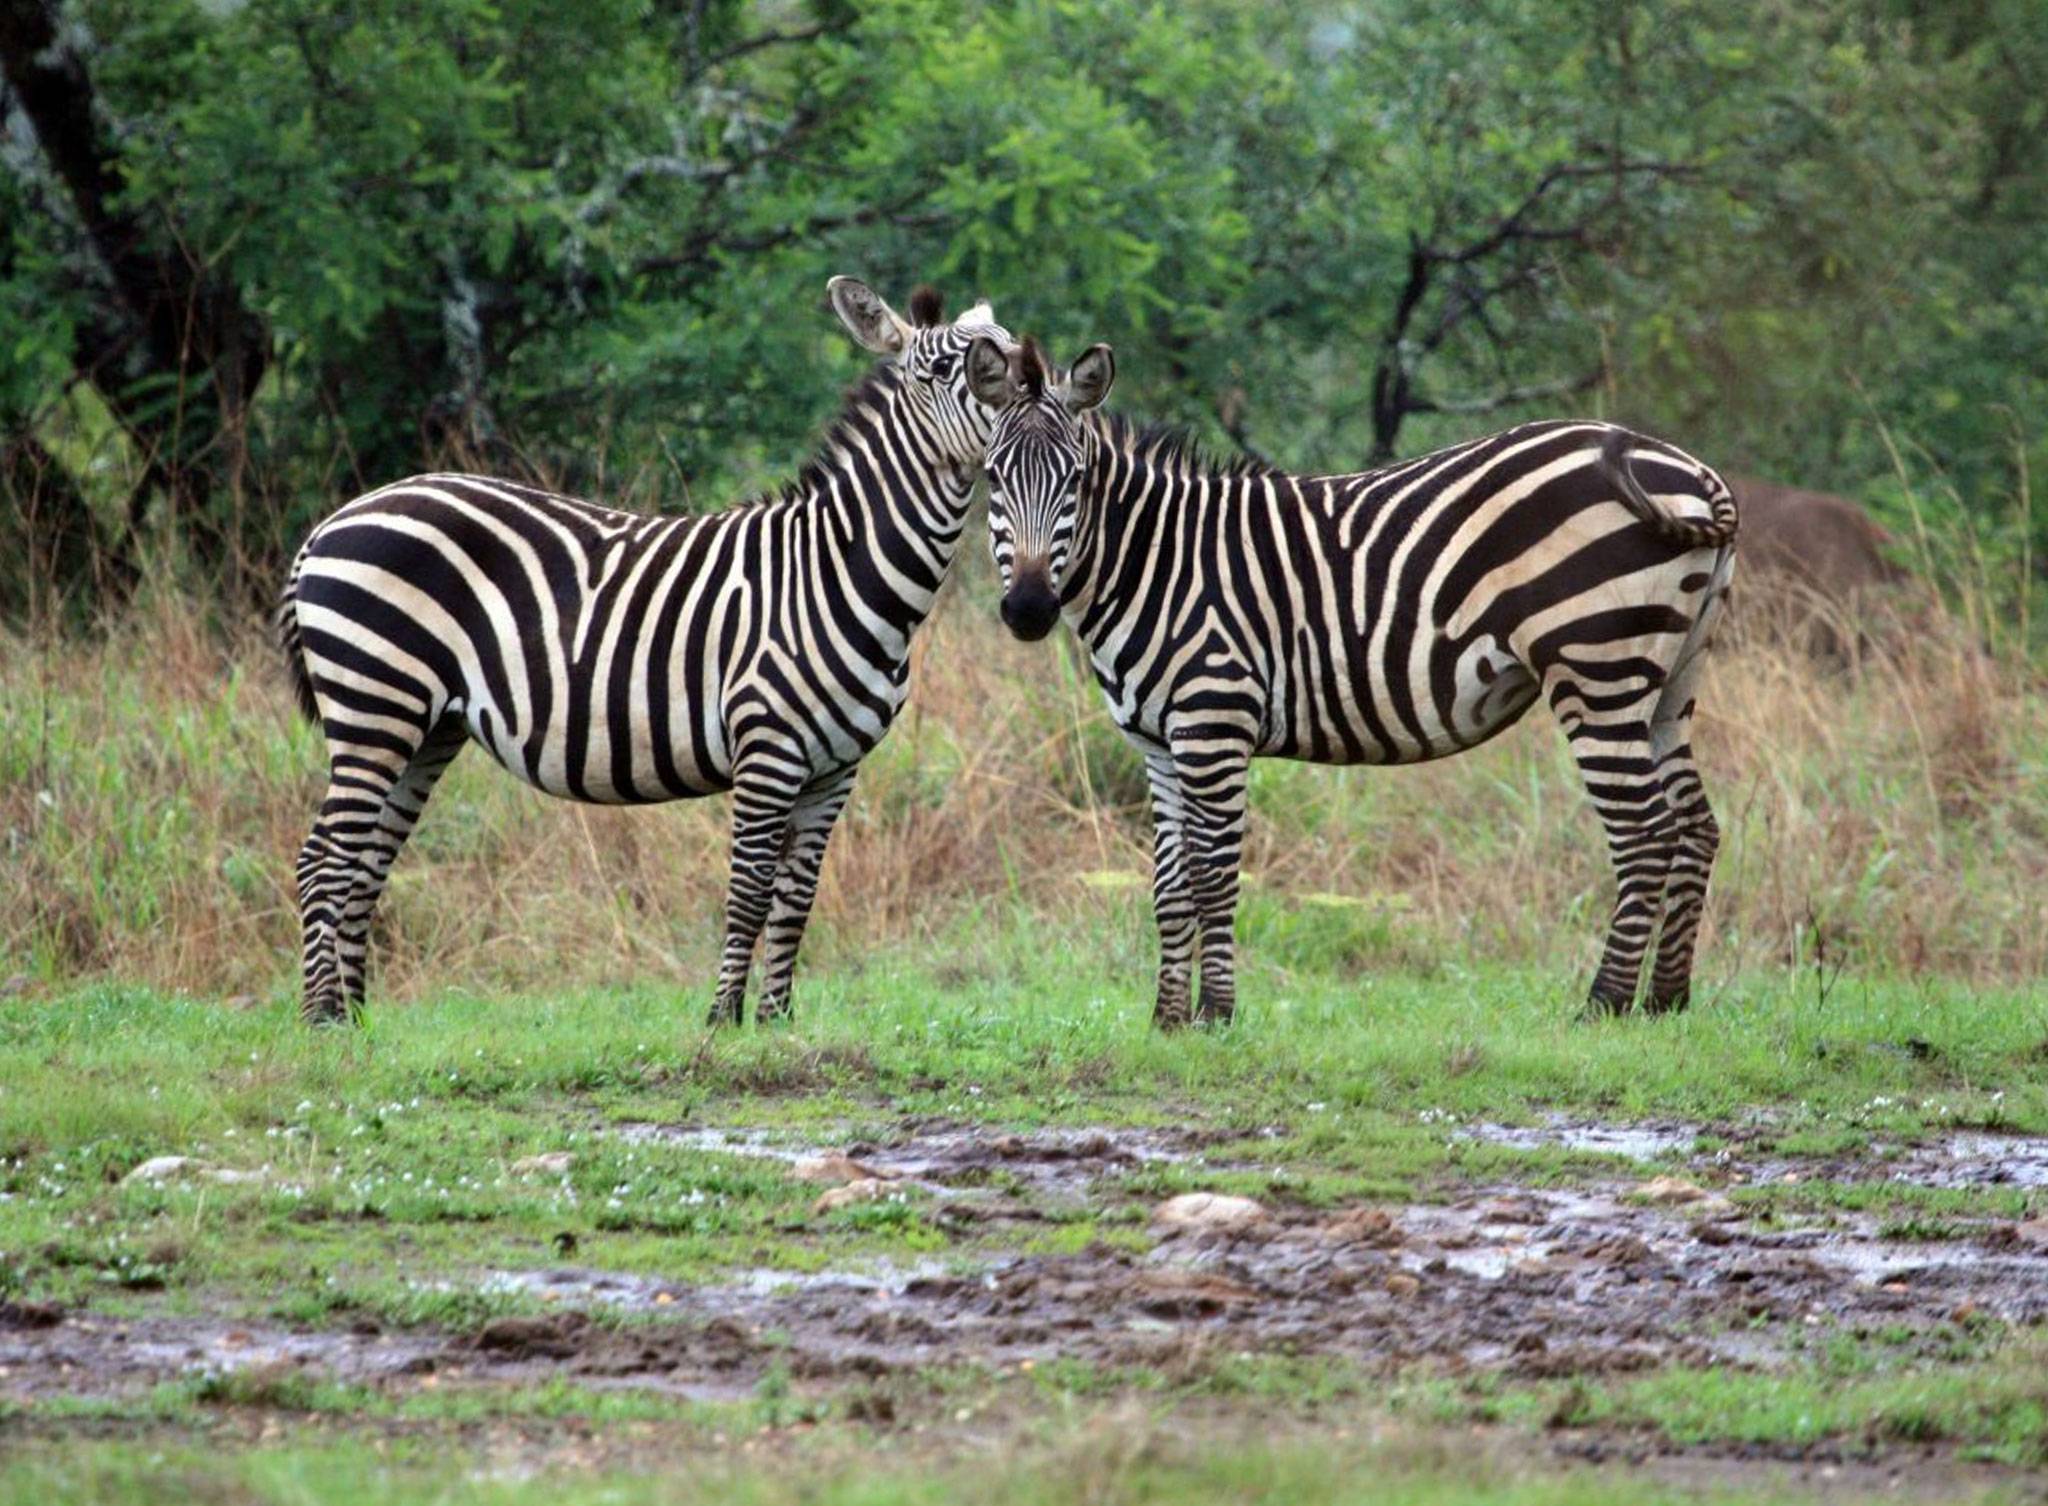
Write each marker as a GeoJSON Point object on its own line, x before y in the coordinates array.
{"type": "Point", "coordinates": [1809, 564]}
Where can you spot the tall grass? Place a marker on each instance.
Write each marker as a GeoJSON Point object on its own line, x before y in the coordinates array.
{"type": "Point", "coordinates": [155, 784]}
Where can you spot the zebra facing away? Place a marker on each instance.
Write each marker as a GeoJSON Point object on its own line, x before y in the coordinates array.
{"type": "Point", "coordinates": [1234, 611]}
{"type": "Point", "coordinates": [619, 658]}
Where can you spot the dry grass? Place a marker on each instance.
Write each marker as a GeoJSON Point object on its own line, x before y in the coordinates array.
{"type": "Point", "coordinates": [154, 786]}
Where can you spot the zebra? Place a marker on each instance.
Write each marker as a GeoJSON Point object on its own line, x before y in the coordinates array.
{"type": "Point", "coordinates": [1232, 611]}
{"type": "Point", "coordinates": [619, 658]}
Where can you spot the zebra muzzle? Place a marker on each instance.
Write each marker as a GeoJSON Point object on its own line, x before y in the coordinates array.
{"type": "Point", "coordinates": [1031, 606]}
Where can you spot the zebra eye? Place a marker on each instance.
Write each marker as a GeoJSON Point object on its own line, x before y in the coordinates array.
{"type": "Point", "coordinates": [942, 367]}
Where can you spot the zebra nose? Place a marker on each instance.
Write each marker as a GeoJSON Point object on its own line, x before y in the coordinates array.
{"type": "Point", "coordinates": [1030, 606]}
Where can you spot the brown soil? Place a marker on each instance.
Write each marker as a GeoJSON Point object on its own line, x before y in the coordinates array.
{"type": "Point", "coordinates": [1520, 1281]}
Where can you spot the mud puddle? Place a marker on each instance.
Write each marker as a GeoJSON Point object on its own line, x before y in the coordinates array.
{"type": "Point", "coordinates": [81, 1353]}
{"type": "Point", "coordinates": [1505, 1279]}
{"type": "Point", "coordinates": [1051, 1165]}
{"type": "Point", "coordinates": [1518, 1282]}
{"type": "Point", "coordinates": [625, 1292]}
{"type": "Point", "coordinates": [1523, 1283]}
{"type": "Point", "coordinates": [1744, 1153]}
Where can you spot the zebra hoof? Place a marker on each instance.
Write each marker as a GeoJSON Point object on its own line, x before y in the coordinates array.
{"type": "Point", "coordinates": [1601, 1006]}
{"type": "Point", "coordinates": [1676, 1002]}
{"type": "Point", "coordinates": [1172, 1019]}
{"type": "Point", "coordinates": [722, 1015]}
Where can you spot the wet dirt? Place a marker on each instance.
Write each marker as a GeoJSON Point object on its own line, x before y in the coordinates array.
{"type": "Point", "coordinates": [1746, 1153]}
{"type": "Point", "coordinates": [1056, 1165]}
{"type": "Point", "coordinates": [1512, 1280]}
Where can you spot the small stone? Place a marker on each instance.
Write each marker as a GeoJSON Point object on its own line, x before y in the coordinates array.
{"type": "Point", "coordinates": [547, 1163]}
{"type": "Point", "coordinates": [1208, 1212]}
{"type": "Point", "coordinates": [1373, 1227]}
{"type": "Point", "coordinates": [866, 1190]}
{"type": "Point", "coordinates": [2033, 1232]}
{"type": "Point", "coordinates": [230, 1176]}
{"type": "Point", "coordinates": [1964, 1312]}
{"type": "Point", "coordinates": [17, 984]}
{"type": "Point", "coordinates": [836, 1171]}
{"type": "Point", "coordinates": [157, 1168]}
{"type": "Point", "coordinates": [1671, 1190]}
{"type": "Point", "coordinates": [1401, 1284]}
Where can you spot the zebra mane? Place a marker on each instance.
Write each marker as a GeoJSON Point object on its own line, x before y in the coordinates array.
{"type": "Point", "coordinates": [865, 397]}
{"type": "Point", "coordinates": [1174, 447]}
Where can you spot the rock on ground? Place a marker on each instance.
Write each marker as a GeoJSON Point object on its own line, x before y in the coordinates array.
{"type": "Point", "coordinates": [1208, 1212]}
{"type": "Point", "coordinates": [865, 1190]}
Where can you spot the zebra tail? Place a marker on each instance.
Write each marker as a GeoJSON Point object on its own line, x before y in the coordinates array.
{"type": "Point", "coordinates": [294, 648]}
{"type": "Point", "coordinates": [1716, 532]}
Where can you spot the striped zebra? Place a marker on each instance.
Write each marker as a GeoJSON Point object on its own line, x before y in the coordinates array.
{"type": "Point", "coordinates": [1234, 611]}
{"type": "Point", "coordinates": [622, 659]}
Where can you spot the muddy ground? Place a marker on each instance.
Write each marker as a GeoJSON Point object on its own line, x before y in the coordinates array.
{"type": "Point", "coordinates": [1610, 1275]}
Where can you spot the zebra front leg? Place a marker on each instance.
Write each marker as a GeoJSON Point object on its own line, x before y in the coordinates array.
{"type": "Point", "coordinates": [382, 844]}
{"type": "Point", "coordinates": [796, 885]}
{"type": "Point", "coordinates": [760, 833]}
{"type": "Point", "coordinates": [1216, 836]}
{"type": "Point", "coordinates": [1173, 905]}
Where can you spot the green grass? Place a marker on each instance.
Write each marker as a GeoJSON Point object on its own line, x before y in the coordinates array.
{"type": "Point", "coordinates": [384, 1156]}
{"type": "Point", "coordinates": [383, 1188]}
{"type": "Point", "coordinates": [1991, 1401]}
{"type": "Point", "coordinates": [1132, 1464]}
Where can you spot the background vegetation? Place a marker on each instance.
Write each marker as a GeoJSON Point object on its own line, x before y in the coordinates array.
{"type": "Point", "coordinates": [257, 255]}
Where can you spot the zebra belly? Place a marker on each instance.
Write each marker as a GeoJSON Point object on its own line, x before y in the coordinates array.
{"type": "Point", "coordinates": [1445, 698]}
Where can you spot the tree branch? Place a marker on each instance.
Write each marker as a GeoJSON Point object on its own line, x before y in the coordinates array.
{"type": "Point", "coordinates": [772, 39]}
{"type": "Point", "coordinates": [1492, 402]}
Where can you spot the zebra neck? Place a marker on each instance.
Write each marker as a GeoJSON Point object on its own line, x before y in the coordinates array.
{"type": "Point", "coordinates": [894, 506]}
{"type": "Point", "coordinates": [1135, 515]}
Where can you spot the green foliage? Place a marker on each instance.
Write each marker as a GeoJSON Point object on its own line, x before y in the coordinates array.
{"type": "Point", "coordinates": [590, 240]}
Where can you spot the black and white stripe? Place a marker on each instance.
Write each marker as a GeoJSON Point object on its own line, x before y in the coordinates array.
{"type": "Point", "coordinates": [1393, 616]}
{"type": "Point", "coordinates": [613, 657]}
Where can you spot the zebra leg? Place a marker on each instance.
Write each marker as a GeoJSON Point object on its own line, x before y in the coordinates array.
{"type": "Point", "coordinates": [1697, 837]}
{"type": "Point", "coordinates": [380, 849]}
{"type": "Point", "coordinates": [1173, 905]}
{"type": "Point", "coordinates": [796, 885]}
{"type": "Point", "coordinates": [761, 806]}
{"type": "Point", "coordinates": [357, 784]}
{"type": "Point", "coordinates": [1614, 760]}
{"type": "Point", "coordinates": [1211, 749]}
{"type": "Point", "coordinates": [1216, 822]}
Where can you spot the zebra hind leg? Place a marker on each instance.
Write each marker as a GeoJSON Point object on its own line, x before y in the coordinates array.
{"type": "Point", "coordinates": [1620, 775]}
{"type": "Point", "coordinates": [1696, 838]}
{"type": "Point", "coordinates": [380, 849]}
{"type": "Point", "coordinates": [327, 870]}
{"type": "Point", "coordinates": [796, 886]}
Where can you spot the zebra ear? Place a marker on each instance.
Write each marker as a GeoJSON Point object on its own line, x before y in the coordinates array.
{"type": "Point", "coordinates": [1090, 380]}
{"type": "Point", "coordinates": [868, 317]}
{"type": "Point", "coordinates": [988, 373]}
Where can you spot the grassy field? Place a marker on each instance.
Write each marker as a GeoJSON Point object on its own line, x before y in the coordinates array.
{"type": "Point", "coordinates": [534, 1232]}
{"type": "Point", "coordinates": [376, 1190]}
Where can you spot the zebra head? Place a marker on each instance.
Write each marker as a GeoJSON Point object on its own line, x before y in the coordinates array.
{"type": "Point", "coordinates": [1037, 453]}
{"type": "Point", "coordinates": [931, 355]}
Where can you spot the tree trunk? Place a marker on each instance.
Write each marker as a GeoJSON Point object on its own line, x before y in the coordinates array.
{"type": "Point", "coordinates": [170, 327]}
